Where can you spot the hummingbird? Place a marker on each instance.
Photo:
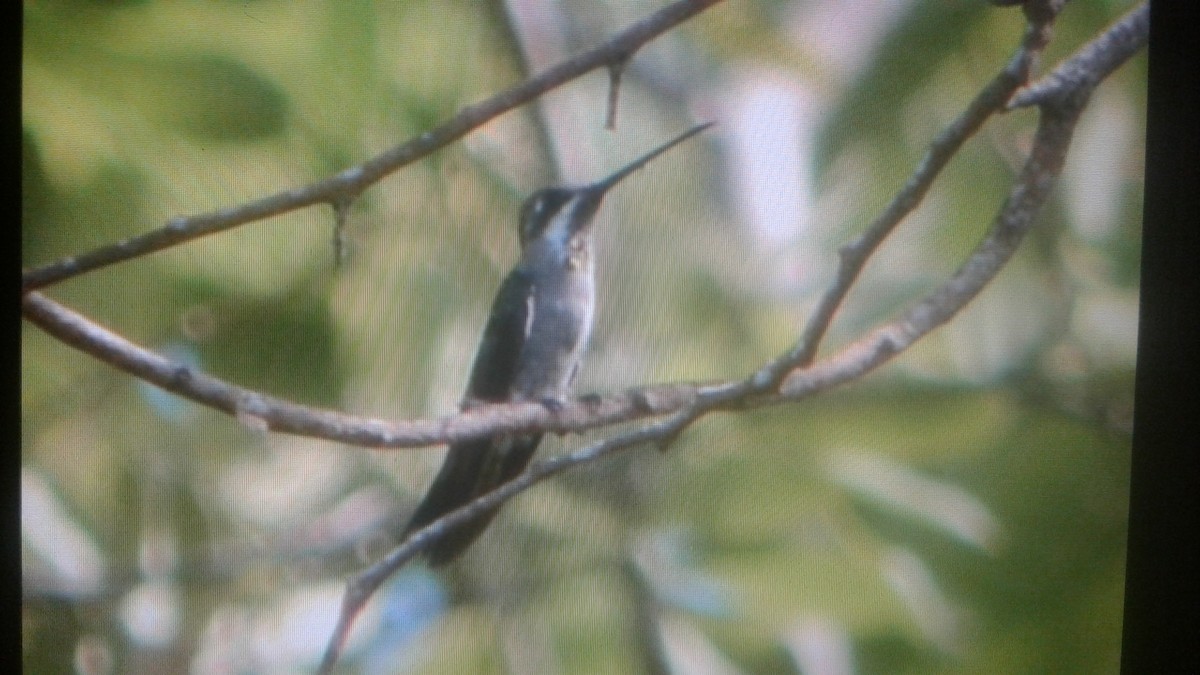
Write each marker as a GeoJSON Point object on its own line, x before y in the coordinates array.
{"type": "Point", "coordinates": [531, 347]}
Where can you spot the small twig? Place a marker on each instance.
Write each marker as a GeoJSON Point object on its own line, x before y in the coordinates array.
{"type": "Point", "coordinates": [349, 183]}
{"type": "Point", "coordinates": [341, 215]}
{"type": "Point", "coordinates": [615, 69]}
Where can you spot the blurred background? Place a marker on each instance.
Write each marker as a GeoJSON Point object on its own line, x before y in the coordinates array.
{"type": "Point", "coordinates": [962, 510]}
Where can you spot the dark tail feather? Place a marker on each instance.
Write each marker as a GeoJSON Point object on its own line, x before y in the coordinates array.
{"type": "Point", "coordinates": [470, 470]}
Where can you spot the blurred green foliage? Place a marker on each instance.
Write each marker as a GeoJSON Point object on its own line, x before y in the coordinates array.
{"type": "Point", "coordinates": [753, 526]}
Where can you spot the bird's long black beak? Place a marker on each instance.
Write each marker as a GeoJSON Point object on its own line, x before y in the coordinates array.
{"type": "Point", "coordinates": [600, 187]}
{"type": "Point", "coordinates": [590, 196]}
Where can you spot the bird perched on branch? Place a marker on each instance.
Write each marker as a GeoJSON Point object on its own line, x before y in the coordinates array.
{"type": "Point", "coordinates": [531, 347]}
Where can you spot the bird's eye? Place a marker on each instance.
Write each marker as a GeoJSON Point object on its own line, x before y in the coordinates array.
{"type": "Point", "coordinates": [535, 212]}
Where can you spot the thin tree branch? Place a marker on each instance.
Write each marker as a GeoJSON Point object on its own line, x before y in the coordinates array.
{"type": "Point", "coordinates": [791, 377]}
{"type": "Point", "coordinates": [854, 256]}
{"type": "Point", "coordinates": [1052, 139]}
{"type": "Point", "coordinates": [267, 412]}
{"type": "Point", "coordinates": [1095, 61]}
{"type": "Point", "coordinates": [261, 410]}
{"type": "Point", "coordinates": [349, 183]}
{"type": "Point", "coordinates": [279, 415]}
{"type": "Point", "coordinates": [363, 585]}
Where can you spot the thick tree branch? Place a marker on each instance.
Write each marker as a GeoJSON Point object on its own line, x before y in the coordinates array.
{"type": "Point", "coordinates": [346, 185]}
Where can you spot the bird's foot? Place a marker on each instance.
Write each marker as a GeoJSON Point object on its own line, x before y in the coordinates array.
{"type": "Point", "coordinates": [554, 405]}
